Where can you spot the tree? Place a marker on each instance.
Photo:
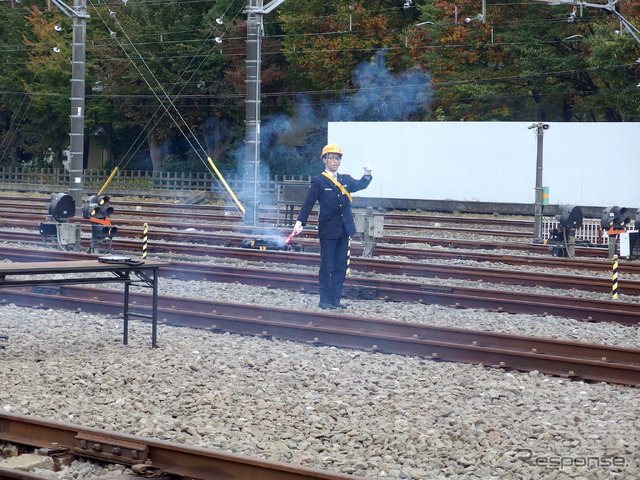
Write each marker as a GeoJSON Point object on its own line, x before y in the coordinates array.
{"type": "Point", "coordinates": [160, 67]}
{"type": "Point", "coordinates": [323, 60]}
{"type": "Point", "coordinates": [14, 102]}
{"type": "Point", "coordinates": [345, 64]}
{"type": "Point", "coordinates": [527, 62]}
{"type": "Point", "coordinates": [46, 133]}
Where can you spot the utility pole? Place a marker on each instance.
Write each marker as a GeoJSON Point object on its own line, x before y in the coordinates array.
{"type": "Point", "coordinates": [537, 218]}
{"type": "Point", "coordinates": [253, 84]}
{"type": "Point", "coordinates": [76, 163]}
{"type": "Point", "coordinates": [255, 30]}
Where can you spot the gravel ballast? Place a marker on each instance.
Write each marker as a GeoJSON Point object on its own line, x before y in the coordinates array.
{"type": "Point", "coordinates": [375, 415]}
{"type": "Point", "coordinates": [370, 414]}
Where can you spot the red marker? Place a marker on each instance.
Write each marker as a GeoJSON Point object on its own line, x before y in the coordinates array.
{"type": "Point", "coordinates": [290, 237]}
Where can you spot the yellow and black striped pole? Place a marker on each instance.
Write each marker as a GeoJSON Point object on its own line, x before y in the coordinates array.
{"type": "Point", "coordinates": [614, 278]}
{"type": "Point", "coordinates": [349, 258]}
{"type": "Point", "coordinates": [145, 231]}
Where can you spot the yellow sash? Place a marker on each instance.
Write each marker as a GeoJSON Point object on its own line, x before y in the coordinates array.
{"type": "Point", "coordinates": [342, 189]}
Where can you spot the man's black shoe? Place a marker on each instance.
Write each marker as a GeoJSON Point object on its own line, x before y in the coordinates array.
{"type": "Point", "coordinates": [339, 305]}
{"type": "Point", "coordinates": [327, 306]}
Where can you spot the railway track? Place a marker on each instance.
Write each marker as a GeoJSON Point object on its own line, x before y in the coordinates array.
{"type": "Point", "coordinates": [569, 359]}
{"type": "Point", "coordinates": [125, 241]}
{"type": "Point", "coordinates": [525, 354]}
{"type": "Point", "coordinates": [206, 223]}
{"type": "Point", "coordinates": [401, 267]}
{"type": "Point", "coordinates": [490, 349]}
{"type": "Point", "coordinates": [206, 219]}
{"type": "Point", "coordinates": [417, 292]}
{"type": "Point", "coordinates": [216, 212]}
{"type": "Point", "coordinates": [400, 291]}
{"type": "Point", "coordinates": [148, 458]}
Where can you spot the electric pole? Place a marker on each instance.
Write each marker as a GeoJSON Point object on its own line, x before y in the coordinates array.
{"type": "Point", "coordinates": [537, 217]}
{"type": "Point", "coordinates": [76, 149]}
{"type": "Point", "coordinates": [255, 30]}
{"type": "Point", "coordinates": [252, 138]}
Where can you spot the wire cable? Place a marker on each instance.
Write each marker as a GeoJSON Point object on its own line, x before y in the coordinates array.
{"type": "Point", "coordinates": [191, 138]}
{"type": "Point", "coordinates": [146, 127]}
{"type": "Point", "coordinates": [14, 131]}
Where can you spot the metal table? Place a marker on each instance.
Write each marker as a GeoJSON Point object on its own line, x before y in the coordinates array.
{"type": "Point", "coordinates": [143, 273]}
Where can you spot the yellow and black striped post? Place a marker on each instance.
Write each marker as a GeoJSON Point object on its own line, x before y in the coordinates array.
{"type": "Point", "coordinates": [349, 258]}
{"type": "Point", "coordinates": [614, 278]}
{"type": "Point", "coordinates": [145, 231]}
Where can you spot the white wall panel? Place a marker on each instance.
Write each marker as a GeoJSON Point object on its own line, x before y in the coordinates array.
{"type": "Point", "coordinates": [587, 164]}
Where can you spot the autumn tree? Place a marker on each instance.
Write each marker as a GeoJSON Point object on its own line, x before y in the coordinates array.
{"type": "Point", "coordinates": [45, 80]}
{"type": "Point", "coordinates": [525, 61]}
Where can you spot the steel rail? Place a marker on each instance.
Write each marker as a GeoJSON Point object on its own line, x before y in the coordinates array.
{"type": "Point", "coordinates": [204, 222]}
{"type": "Point", "coordinates": [205, 240]}
{"type": "Point", "coordinates": [592, 310]}
{"type": "Point", "coordinates": [159, 456]}
{"type": "Point", "coordinates": [13, 474]}
{"type": "Point", "coordinates": [553, 357]}
{"type": "Point", "coordinates": [172, 209]}
{"type": "Point", "coordinates": [420, 270]}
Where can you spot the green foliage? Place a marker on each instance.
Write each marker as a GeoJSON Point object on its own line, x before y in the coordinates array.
{"type": "Point", "coordinates": [322, 60]}
{"type": "Point", "coordinates": [527, 62]}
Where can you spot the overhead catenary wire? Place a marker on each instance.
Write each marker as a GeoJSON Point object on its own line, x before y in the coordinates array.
{"type": "Point", "coordinates": [137, 143]}
{"type": "Point", "coordinates": [14, 130]}
{"type": "Point", "coordinates": [432, 83]}
{"type": "Point", "coordinates": [267, 95]}
{"type": "Point", "coordinates": [559, 18]}
{"type": "Point", "coordinates": [400, 47]}
{"type": "Point", "coordinates": [170, 102]}
{"type": "Point", "coordinates": [482, 45]}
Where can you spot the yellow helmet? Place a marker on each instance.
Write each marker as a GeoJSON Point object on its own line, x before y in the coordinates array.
{"type": "Point", "coordinates": [331, 148]}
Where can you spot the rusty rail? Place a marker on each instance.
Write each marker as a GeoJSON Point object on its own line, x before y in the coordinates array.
{"type": "Point", "coordinates": [593, 310]}
{"type": "Point", "coordinates": [569, 359]}
{"type": "Point", "coordinates": [156, 456]}
{"type": "Point", "coordinates": [206, 243]}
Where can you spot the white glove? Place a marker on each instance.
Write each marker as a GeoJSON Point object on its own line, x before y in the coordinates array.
{"type": "Point", "coordinates": [367, 169]}
{"type": "Point", "coordinates": [297, 228]}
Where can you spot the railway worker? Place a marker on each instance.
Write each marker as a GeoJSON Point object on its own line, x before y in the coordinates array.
{"type": "Point", "coordinates": [335, 222]}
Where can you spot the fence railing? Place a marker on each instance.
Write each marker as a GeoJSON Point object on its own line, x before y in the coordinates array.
{"type": "Point", "coordinates": [591, 231]}
{"type": "Point", "coordinates": [132, 182]}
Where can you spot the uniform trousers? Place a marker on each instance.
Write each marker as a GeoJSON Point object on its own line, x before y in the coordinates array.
{"type": "Point", "coordinates": [333, 267]}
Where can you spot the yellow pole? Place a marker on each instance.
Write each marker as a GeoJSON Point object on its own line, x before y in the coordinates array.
{"type": "Point", "coordinates": [215, 169]}
{"type": "Point", "coordinates": [348, 272]}
{"type": "Point", "coordinates": [106, 184]}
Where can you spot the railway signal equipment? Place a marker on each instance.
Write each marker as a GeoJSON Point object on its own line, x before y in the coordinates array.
{"type": "Point", "coordinates": [614, 221]}
{"type": "Point", "coordinates": [98, 210]}
{"type": "Point", "coordinates": [630, 240]}
{"type": "Point", "coordinates": [569, 218]}
{"type": "Point", "coordinates": [61, 207]}
{"type": "Point", "coordinates": [103, 232]}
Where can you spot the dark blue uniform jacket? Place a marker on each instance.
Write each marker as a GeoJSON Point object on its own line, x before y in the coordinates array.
{"type": "Point", "coordinates": [335, 207]}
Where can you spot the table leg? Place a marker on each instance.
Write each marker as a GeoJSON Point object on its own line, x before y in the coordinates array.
{"type": "Point", "coordinates": [125, 326]}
